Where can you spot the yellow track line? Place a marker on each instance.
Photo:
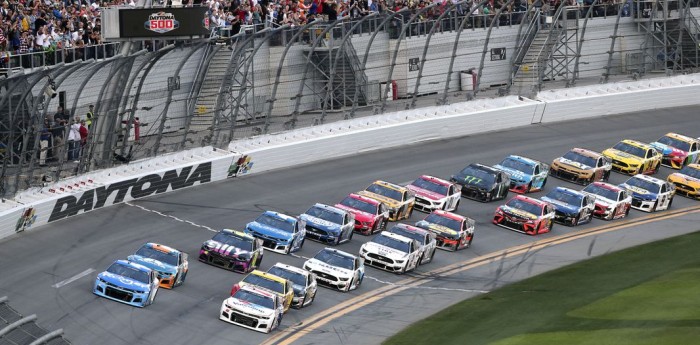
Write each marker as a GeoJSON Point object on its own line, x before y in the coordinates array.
{"type": "Point", "coordinates": [310, 324]}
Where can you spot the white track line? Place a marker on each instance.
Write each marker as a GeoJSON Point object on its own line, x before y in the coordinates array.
{"type": "Point", "coordinates": [426, 287]}
{"type": "Point", "coordinates": [172, 217]}
{"type": "Point", "coordinates": [73, 278]}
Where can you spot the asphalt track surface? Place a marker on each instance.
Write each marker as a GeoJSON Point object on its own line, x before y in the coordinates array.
{"type": "Point", "coordinates": [49, 271]}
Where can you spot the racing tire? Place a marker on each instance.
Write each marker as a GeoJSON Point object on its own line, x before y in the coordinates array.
{"type": "Point", "coordinates": [656, 204]}
{"type": "Point", "coordinates": [410, 211]}
{"type": "Point", "coordinates": [385, 224]}
{"type": "Point", "coordinates": [529, 187]}
{"type": "Point", "coordinates": [177, 281]}
{"type": "Point", "coordinates": [670, 202]}
{"type": "Point", "coordinates": [337, 240]}
{"type": "Point", "coordinates": [432, 255]}
{"type": "Point", "coordinates": [289, 249]}
{"type": "Point", "coordinates": [627, 213]}
{"type": "Point", "coordinates": [301, 245]}
{"type": "Point", "coordinates": [456, 206]}
{"type": "Point", "coordinates": [151, 300]}
{"type": "Point", "coordinates": [612, 214]}
{"type": "Point", "coordinates": [403, 269]}
{"type": "Point", "coordinates": [590, 217]}
{"type": "Point", "coordinates": [576, 220]}
{"type": "Point", "coordinates": [420, 260]}
{"type": "Point", "coordinates": [606, 176]}
{"type": "Point", "coordinates": [311, 301]}
{"type": "Point", "coordinates": [544, 183]}
{"type": "Point", "coordinates": [258, 262]}
{"type": "Point", "coordinates": [469, 244]}
{"type": "Point", "coordinates": [656, 169]}
{"type": "Point", "coordinates": [375, 228]}
{"type": "Point", "coordinates": [352, 282]}
{"type": "Point", "coordinates": [352, 232]}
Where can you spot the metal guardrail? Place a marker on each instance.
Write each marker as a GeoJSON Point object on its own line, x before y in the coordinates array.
{"type": "Point", "coordinates": [10, 62]}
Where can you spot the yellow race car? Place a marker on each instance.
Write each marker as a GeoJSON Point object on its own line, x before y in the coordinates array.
{"type": "Point", "coordinates": [687, 181]}
{"type": "Point", "coordinates": [633, 157]}
{"type": "Point", "coordinates": [398, 200]}
{"type": "Point", "coordinates": [269, 282]}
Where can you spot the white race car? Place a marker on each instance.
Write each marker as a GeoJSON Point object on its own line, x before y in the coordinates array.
{"type": "Point", "coordinates": [392, 252]}
{"type": "Point", "coordinates": [253, 308]}
{"type": "Point", "coordinates": [611, 202]}
{"type": "Point", "coordinates": [433, 193]}
{"type": "Point", "coordinates": [426, 240]}
{"type": "Point", "coordinates": [336, 269]}
{"type": "Point", "coordinates": [649, 194]}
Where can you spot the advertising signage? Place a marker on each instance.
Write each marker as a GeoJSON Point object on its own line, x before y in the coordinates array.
{"type": "Point", "coordinates": [163, 22]}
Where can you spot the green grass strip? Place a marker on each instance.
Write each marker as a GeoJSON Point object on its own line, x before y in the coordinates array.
{"type": "Point", "coordinates": [643, 295]}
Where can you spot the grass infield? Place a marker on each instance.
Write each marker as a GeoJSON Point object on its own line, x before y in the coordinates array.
{"type": "Point", "coordinates": [648, 294]}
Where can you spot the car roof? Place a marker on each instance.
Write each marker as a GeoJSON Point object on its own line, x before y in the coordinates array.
{"type": "Point", "coordinates": [482, 167]}
{"type": "Point", "coordinates": [531, 200]}
{"type": "Point", "coordinates": [331, 208]}
{"type": "Point", "coordinates": [268, 276]}
{"type": "Point", "coordinates": [389, 185]}
{"type": "Point", "coordinates": [241, 234]}
{"type": "Point", "coordinates": [256, 290]}
{"type": "Point", "coordinates": [435, 180]}
{"type": "Point", "coordinates": [337, 251]}
{"type": "Point", "coordinates": [587, 152]}
{"type": "Point", "coordinates": [694, 166]}
{"type": "Point", "coordinates": [636, 143]}
{"type": "Point", "coordinates": [522, 159]}
{"type": "Point", "coordinates": [134, 265]}
{"type": "Point", "coordinates": [450, 215]}
{"type": "Point", "coordinates": [291, 268]}
{"type": "Point", "coordinates": [397, 237]}
{"type": "Point", "coordinates": [161, 248]}
{"type": "Point", "coordinates": [364, 198]}
{"type": "Point", "coordinates": [651, 179]}
{"type": "Point", "coordinates": [608, 186]}
{"type": "Point", "coordinates": [282, 216]}
{"type": "Point", "coordinates": [681, 137]}
{"type": "Point", "coordinates": [409, 228]}
{"type": "Point", "coordinates": [569, 191]}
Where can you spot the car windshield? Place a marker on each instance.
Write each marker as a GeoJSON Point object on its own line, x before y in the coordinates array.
{"type": "Point", "coordinates": [567, 198]}
{"type": "Point", "coordinates": [604, 192]}
{"type": "Point", "coordinates": [129, 272]}
{"type": "Point", "coordinates": [673, 142]}
{"type": "Point", "coordinates": [253, 298]}
{"type": "Point", "coordinates": [359, 205]}
{"type": "Point", "coordinates": [325, 215]}
{"type": "Point", "coordinates": [633, 150]}
{"type": "Point", "coordinates": [384, 191]}
{"type": "Point", "coordinates": [234, 240]}
{"type": "Point", "coordinates": [431, 186]}
{"type": "Point", "coordinates": [643, 184]}
{"type": "Point", "coordinates": [577, 157]}
{"type": "Point", "coordinates": [444, 221]}
{"type": "Point", "coordinates": [266, 283]}
{"type": "Point", "coordinates": [276, 223]}
{"type": "Point", "coordinates": [169, 258]}
{"type": "Point", "coordinates": [392, 243]}
{"type": "Point", "coordinates": [335, 259]}
{"type": "Point", "coordinates": [477, 177]}
{"type": "Point", "coordinates": [692, 172]}
{"type": "Point", "coordinates": [410, 234]}
{"type": "Point", "coordinates": [525, 206]}
{"type": "Point", "coordinates": [296, 278]}
{"type": "Point", "coordinates": [518, 165]}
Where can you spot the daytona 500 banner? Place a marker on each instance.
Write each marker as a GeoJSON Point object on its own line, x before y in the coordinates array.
{"type": "Point", "coordinates": [172, 22]}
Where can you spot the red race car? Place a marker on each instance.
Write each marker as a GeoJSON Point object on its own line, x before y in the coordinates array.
{"type": "Point", "coordinates": [527, 215]}
{"type": "Point", "coordinates": [371, 216]}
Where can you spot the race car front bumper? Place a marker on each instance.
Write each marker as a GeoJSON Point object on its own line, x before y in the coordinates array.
{"type": "Point", "coordinates": [624, 168]}
{"type": "Point", "coordinates": [427, 206]}
{"type": "Point", "coordinates": [686, 190]}
{"type": "Point", "coordinates": [382, 262]}
{"type": "Point", "coordinates": [445, 243]}
{"type": "Point", "coordinates": [525, 227]}
{"type": "Point", "coordinates": [566, 219]}
{"type": "Point", "coordinates": [330, 281]}
{"type": "Point", "coordinates": [643, 205]}
{"type": "Point", "coordinates": [119, 294]}
{"type": "Point", "coordinates": [570, 176]}
{"type": "Point", "coordinates": [229, 263]}
{"type": "Point", "coordinates": [245, 320]}
{"type": "Point", "coordinates": [320, 235]}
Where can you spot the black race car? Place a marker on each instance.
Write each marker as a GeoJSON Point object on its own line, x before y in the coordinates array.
{"type": "Point", "coordinates": [483, 183]}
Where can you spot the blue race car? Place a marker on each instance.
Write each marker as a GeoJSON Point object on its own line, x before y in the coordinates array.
{"type": "Point", "coordinates": [328, 224]}
{"type": "Point", "coordinates": [280, 233]}
{"type": "Point", "coordinates": [526, 175]}
{"type": "Point", "coordinates": [170, 264]}
{"type": "Point", "coordinates": [570, 207]}
{"type": "Point", "coordinates": [127, 282]}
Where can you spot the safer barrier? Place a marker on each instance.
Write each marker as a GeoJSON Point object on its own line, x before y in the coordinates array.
{"type": "Point", "coordinates": [350, 137]}
{"type": "Point", "coordinates": [70, 197]}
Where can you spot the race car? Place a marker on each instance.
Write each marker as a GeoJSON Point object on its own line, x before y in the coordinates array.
{"type": "Point", "coordinates": [677, 150]}
{"type": "Point", "coordinates": [611, 202]}
{"type": "Point", "coordinates": [426, 240]}
{"type": "Point", "coordinates": [526, 215]}
{"type": "Point", "coordinates": [649, 194]}
{"type": "Point", "coordinates": [571, 207]}
{"type": "Point", "coordinates": [270, 282]}
{"type": "Point", "coordinates": [453, 231]}
{"type": "Point", "coordinates": [303, 283]}
{"type": "Point", "coordinates": [392, 252]}
{"type": "Point", "coordinates": [127, 282]}
{"type": "Point", "coordinates": [526, 175]}
{"type": "Point", "coordinates": [371, 216]}
{"type": "Point", "coordinates": [687, 181]}
{"type": "Point", "coordinates": [253, 308]}
{"type": "Point", "coordinates": [279, 232]}
{"type": "Point", "coordinates": [633, 157]}
{"type": "Point", "coordinates": [398, 200]}
{"type": "Point", "coordinates": [232, 250]}
{"type": "Point", "coordinates": [336, 269]}
{"type": "Point", "coordinates": [433, 193]}
{"type": "Point", "coordinates": [170, 264]}
{"type": "Point", "coordinates": [328, 224]}
{"type": "Point", "coordinates": [483, 183]}
{"type": "Point", "coordinates": [581, 166]}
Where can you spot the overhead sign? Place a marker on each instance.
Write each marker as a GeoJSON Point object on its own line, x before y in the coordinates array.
{"type": "Point", "coordinates": [169, 22]}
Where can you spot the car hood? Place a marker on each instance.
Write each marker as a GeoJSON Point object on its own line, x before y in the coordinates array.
{"type": "Point", "coordinates": [426, 193]}
{"type": "Point", "coordinates": [225, 249]}
{"type": "Point", "coordinates": [562, 206]}
{"type": "Point", "coordinates": [603, 201]}
{"type": "Point", "coordinates": [389, 252]}
{"type": "Point", "coordinates": [153, 264]}
{"type": "Point", "coordinates": [270, 231]}
{"type": "Point", "coordinates": [515, 175]}
{"type": "Point", "coordinates": [320, 223]}
{"type": "Point", "coordinates": [249, 308]}
{"type": "Point", "coordinates": [359, 215]}
{"type": "Point", "coordinates": [392, 203]}
{"type": "Point", "coordinates": [437, 228]}
{"type": "Point", "coordinates": [639, 192]}
{"type": "Point", "coordinates": [678, 177]}
{"type": "Point", "coordinates": [570, 163]}
{"type": "Point", "coordinates": [668, 150]}
{"type": "Point", "coordinates": [518, 212]}
{"type": "Point", "coordinates": [467, 180]}
{"type": "Point", "coordinates": [123, 282]}
{"type": "Point", "coordinates": [328, 269]}
{"type": "Point", "coordinates": [622, 156]}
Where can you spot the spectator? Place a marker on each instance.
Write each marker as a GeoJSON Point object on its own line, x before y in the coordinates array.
{"type": "Point", "coordinates": [44, 140]}
{"type": "Point", "coordinates": [83, 137]}
{"type": "Point", "coordinates": [60, 120]}
{"type": "Point", "coordinates": [90, 117]}
{"type": "Point", "coordinates": [74, 141]}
